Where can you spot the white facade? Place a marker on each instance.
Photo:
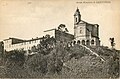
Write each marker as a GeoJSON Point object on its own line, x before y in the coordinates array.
{"type": "Point", "coordinates": [26, 45]}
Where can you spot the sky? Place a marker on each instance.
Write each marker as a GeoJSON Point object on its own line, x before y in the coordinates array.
{"type": "Point", "coordinates": [28, 19]}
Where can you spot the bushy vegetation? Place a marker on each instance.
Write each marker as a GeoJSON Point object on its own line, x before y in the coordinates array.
{"type": "Point", "coordinates": [56, 60]}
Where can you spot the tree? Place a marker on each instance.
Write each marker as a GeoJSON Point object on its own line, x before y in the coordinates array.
{"type": "Point", "coordinates": [112, 42]}
{"type": "Point", "coordinates": [47, 36]}
{"type": "Point", "coordinates": [62, 28]}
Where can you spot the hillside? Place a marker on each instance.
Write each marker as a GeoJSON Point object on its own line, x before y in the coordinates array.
{"type": "Point", "coordinates": [61, 61]}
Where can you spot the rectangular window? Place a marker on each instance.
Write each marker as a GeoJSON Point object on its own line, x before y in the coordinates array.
{"type": "Point", "coordinates": [30, 42]}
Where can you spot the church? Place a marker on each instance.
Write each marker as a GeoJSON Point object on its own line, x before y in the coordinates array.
{"type": "Point", "coordinates": [85, 33]}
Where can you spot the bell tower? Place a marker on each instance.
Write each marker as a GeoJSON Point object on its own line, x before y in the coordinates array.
{"type": "Point", "coordinates": [77, 16]}
{"type": "Point", "coordinates": [77, 19]}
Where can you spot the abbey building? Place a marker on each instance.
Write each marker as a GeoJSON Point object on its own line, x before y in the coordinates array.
{"type": "Point", "coordinates": [84, 34]}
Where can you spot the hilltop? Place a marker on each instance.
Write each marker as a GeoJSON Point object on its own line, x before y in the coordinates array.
{"type": "Point", "coordinates": [76, 61]}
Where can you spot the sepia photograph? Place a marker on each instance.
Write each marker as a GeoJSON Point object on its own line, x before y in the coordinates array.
{"type": "Point", "coordinates": [59, 39]}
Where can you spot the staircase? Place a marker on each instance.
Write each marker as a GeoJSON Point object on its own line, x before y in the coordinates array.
{"type": "Point", "coordinates": [93, 53]}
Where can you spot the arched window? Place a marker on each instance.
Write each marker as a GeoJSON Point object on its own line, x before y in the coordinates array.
{"type": "Point", "coordinates": [83, 42]}
{"type": "Point", "coordinates": [88, 42]}
{"type": "Point", "coordinates": [74, 42]}
{"type": "Point", "coordinates": [80, 31]}
{"type": "Point", "coordinates": [78, 42]}
{"type": "Point", "coordinates": [92, 41]}
{"type": "Point", "coordinates": [76, 19]}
